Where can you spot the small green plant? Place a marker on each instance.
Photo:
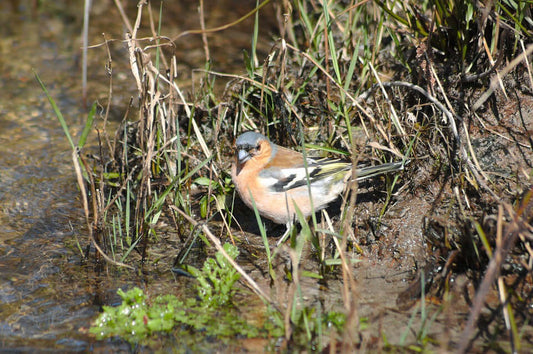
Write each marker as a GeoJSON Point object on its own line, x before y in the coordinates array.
{"type": "Point", "coordinates": [135, 320]}
{"type": "Point", "coordinates": [138, 317]}
{"type": "Point", "coordinates": [216, 280]}
{"type": "Point", "coordinates": [218, 191]}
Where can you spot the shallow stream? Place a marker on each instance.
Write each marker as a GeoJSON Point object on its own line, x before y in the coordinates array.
{"type": "Point", "coordinates": [48, 297]}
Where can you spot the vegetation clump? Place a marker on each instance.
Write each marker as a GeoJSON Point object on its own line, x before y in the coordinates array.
{"type": "Point", "coordinates": [211, 314]}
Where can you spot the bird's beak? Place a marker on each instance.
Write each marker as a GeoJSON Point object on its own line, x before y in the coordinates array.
{"type": "Point", "coordinates": [243, 156]}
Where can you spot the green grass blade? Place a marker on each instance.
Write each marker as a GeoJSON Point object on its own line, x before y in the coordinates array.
{"type": "Point", "coordinates": [88, 127]}
{"type": "Point", "coordinates": [264, 238]}
{"type": "Point", "coordinates": [56, 110]}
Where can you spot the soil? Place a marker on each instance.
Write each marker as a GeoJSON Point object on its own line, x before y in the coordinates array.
{"type": "Point", "coordinates": [426, 242]}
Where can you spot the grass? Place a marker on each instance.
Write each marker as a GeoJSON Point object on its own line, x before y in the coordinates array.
{"type": "Point", "coordinates": [372, 81]}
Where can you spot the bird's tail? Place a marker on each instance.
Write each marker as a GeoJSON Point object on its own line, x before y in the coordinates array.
{"type": "Point", "coordinates": [372, 171]}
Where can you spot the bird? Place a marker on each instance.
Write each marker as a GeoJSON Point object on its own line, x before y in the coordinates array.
{"type": "Point", "coordinates": [277, 180]}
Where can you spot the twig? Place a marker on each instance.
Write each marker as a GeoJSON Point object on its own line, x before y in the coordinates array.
{"type": "Point", "coordinates": [204, 34]}
{"type": "Point", "coordinates": [512, 231]}
{"type": "Point", "coordinates": [223, 27]}
{"type": "Point", "coordinates": [251, 283]}
{"type": "Point", "coordinates": [450, 118]}
{"type": "Point", "coordinates": [85, 42]}
{"type": "Point", "coordinates": [109, 71]}
{"type": "Point", "coordinates": [494, 81]}
{"type": "Point", "coordinates": [123, 15]}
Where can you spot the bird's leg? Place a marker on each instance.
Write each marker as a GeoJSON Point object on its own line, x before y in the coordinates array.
{"type": "Point", "coordinates": [286, 234]}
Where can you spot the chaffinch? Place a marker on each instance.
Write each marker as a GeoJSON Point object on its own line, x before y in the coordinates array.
{"type": "Point", "coordinates": [276, 178]}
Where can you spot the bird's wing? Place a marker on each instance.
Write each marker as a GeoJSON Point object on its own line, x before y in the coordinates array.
{"type": "Point", "coordinates": [284, 179]}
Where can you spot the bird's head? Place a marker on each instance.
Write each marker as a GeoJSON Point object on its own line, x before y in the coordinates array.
{"type": "Point", "coordinates": [252, 145]}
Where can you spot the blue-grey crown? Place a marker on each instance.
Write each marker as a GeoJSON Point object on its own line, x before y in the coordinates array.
{"type": "Point", "coordinates": [249, 139]}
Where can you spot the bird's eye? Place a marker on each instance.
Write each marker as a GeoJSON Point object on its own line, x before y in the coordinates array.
{"type": "Point", "coordinates": [258, 147]}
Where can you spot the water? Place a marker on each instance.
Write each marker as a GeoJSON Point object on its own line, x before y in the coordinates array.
{"type": "Point", "coordinates": [40, 305]}
{"type": "Point", "coordinates": [47, 295]}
